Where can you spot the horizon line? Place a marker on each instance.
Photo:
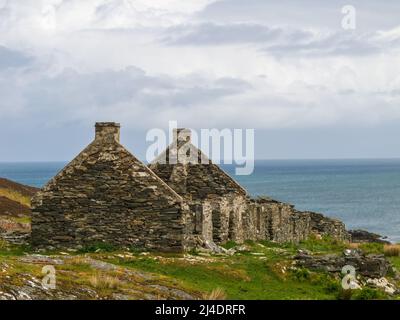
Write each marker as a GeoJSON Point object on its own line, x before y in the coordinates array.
{"type": "Point", "coordinates": [258, 159]}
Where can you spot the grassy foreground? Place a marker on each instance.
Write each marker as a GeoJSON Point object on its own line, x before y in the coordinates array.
{"type": "Point", "coordinates": [261, 270]}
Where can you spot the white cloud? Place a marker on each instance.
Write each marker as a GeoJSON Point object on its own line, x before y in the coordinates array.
{"type": "Point", "coordinates": [204, 63]}
{"type": "Point", "coordinates": [286, 42]}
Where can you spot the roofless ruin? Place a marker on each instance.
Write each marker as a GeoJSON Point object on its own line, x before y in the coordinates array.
{"type": "Point", "coordinates": [107, 195]}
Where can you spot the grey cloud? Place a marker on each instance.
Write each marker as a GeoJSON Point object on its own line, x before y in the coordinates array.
{"type": "Point", "coordinates": [232, 33]}
{"type": "Point", "coordinates": [72, 96]}
{"type": "Point", "coordinates": [372, 15]}
{"type": "Point", "coordinates": [278, 41]}
{"type": "Point", "coordinates": [334, 44]}
{"type": "Point", "coordinates": [13, 59]}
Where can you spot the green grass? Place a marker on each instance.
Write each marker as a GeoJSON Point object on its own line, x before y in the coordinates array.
{"type": "Point", "coordinates": [242, 276]}
{"type": "Point", "coordinates": [395, 262]}
{"type": "Point", "coordinates": [324, 245]}
{"type": "Point", "coordinates": [246, 279]}
{"type": "Point", "coordinates": [368, 294]}
{"type": "Point", "coordinates": [8, 250]}
{"type": "Point", "coordinates": [98, 247]}
{"type": "Point", "coordinates": [370, 248]}
{"type": "Point", "coordinates": [263, 271]}
{"type": "Point", "coordinates": [25, 219]}
{"type": "Point", "coordinates": [229, 245]}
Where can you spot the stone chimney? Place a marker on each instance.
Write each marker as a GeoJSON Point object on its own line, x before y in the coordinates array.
{"type": "Point", "coordinates": [182, 135]}
{"type": "Point", "coordinates": [108, 131]}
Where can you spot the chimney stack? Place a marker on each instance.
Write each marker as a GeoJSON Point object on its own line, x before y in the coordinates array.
{"type": "Point", "coordinates": [108, 131]}
{"type": "Point", "coordinates": [182, 135]}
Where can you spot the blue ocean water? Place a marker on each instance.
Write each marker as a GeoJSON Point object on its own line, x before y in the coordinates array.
{"type": "Point", "coordinates": [363, 193]}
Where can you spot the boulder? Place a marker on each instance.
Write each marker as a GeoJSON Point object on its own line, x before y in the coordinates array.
{"type": "Point", "coordinates": [384, 284]}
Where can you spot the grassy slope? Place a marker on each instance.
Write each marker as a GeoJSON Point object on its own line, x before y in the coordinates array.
{"type": "Point", "coordinates": [16, 196]}
{"type": "Point", "coordinates": [242, 277]}
{"type": "Point", "coordinates": [263, 272]}
{"type": "Point", "coordinates": [17, 192]}
{"type": "Point", "coordinates": [15, 201]}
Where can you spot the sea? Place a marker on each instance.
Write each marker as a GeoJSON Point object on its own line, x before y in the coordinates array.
{"type": "Point", "coordinates": [363, 193]}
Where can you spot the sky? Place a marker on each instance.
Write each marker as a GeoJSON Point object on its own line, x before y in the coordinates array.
{"type": "Point", "coordinates": [287, 69]}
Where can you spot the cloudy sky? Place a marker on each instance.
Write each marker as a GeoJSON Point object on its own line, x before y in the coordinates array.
{"type": "Point", "coordinates": [288, 69]}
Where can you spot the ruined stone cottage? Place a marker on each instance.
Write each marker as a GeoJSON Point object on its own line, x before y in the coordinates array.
{"type": "Point", "coordinates": [179, 201]}
{"type": "Point", "coordinates": [107, 195]}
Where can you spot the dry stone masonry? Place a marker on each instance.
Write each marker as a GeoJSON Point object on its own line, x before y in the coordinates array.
{"type": "Point", "coordinates": [180, 201]}
{"type": "Point", "coordinates": [106, 195]}
{"type": "Point", "coordinates": [234, 216]}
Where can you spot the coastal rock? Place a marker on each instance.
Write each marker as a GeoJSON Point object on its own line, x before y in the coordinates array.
{"type": "Point", "coordinates": [362, 236]}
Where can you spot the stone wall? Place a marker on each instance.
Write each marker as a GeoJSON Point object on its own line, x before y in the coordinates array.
{"type": "Point", "coordinates": [220, 219]}
{"type": "Point", "coordinates": [268, 219]}
{"type": "Point", "coordinates": [237, 218]}
{"type": "Point", "coordinates": [107, 195]}
{"type": "Point", "coordinates": [201, 232]}
{"type": "Point", "coordinates": [325, 226]}
{"type": "Point", "coordinates": [300, 227]}
{"type": "Point", "coordinates": [238, 209]}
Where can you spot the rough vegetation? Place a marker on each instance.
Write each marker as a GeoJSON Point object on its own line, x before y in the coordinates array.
{"type": "Point", "coordinates": [15, 198]}
{"type": "Point", "coordinates": [254, 270]}
{"type": "Point", "coordinates": [15, 212]}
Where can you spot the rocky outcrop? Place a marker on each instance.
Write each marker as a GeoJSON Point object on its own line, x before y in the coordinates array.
{"type": "Point", "coordinates": [383, 284]}
{"type": "Point", "coordinates": [15, 232]}
{"type": "Point", "coordinates": [123, 283]}
{"type": "Point", "coordinates": [372, 265]}
{"type": "Point", "coordinates": [362, 236]}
